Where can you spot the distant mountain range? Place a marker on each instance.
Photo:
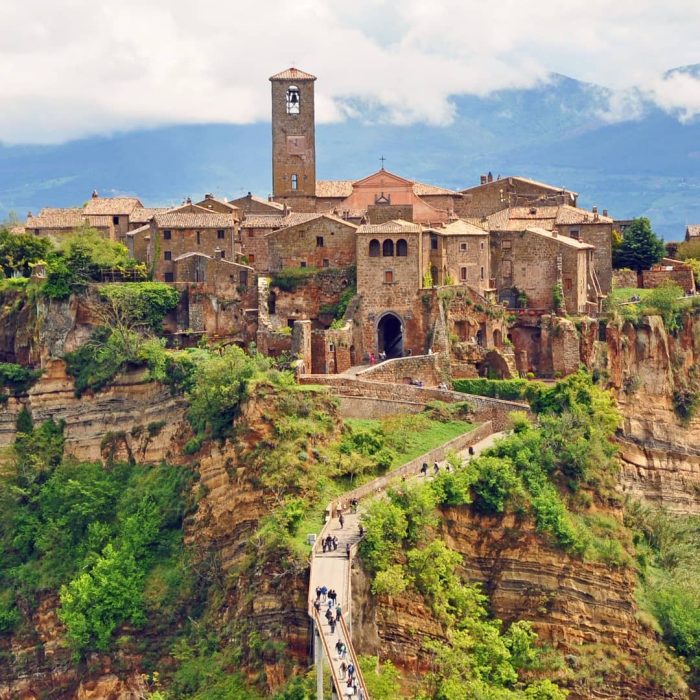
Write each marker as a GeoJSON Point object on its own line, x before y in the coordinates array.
{"type": "Point", "coordinates": [559, 132]}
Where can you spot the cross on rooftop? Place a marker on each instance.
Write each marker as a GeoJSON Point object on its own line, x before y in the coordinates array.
{"type": "Point", "coordinates": [382, 159]}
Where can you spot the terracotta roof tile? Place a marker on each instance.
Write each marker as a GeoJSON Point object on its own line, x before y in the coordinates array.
{"type": "Point", "coordinates": [461, 227]}
{"type": "Point", "coordinates": [518, 218]}
{"type": "Point", "coordinates": [142, 215]}
{"type": "Point", "coordinates": [396, 226]}
{"type": "Point", "coordinates": [293, 74]}
{"type": "Point", "coordinates": [193, 219]}
{"type": "Point", "coordinates": [56, 218]}
{"type": "Point", "coordinates": [528, 181]}
{"type": "Point", "coordinates": [259, 200]}
{"type": "Point", "coordinates": [263, 221]}
{"type": "Point", "coordinates": [423, 190]}
{"type": "Point", "coordinates": [575, 215]}
{"type": "Point", "coordinates": [111, 205]}
{"type": "Point", "coordinates": [564, 240]}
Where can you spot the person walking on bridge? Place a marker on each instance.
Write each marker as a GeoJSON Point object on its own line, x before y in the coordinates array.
{"type": "Point", "coordinates": [338, 613]}
{"type": "Point", "coordinates": [341, 520]}
{"type": "Point", "coordinates": [424, 469]}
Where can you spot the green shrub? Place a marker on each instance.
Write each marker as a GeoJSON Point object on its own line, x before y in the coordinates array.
{"type": "Point", "coordinates": [290, 278]}
{"type": "Point", "coordinates": [506, 389]}
{"type": "Point", "coordinates": [494, 483]}
{"type": "Point", "coordinates": [685, 403]}
{"type": "Point", "coordinates": [142, 302]}
{"type": "Point", "coordinates": [17, 379]}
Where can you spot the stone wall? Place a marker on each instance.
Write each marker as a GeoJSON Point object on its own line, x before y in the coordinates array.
{"type": "Point", "coordinates": [364, 407]}
{"type": "Point", "coordinates": [404, 370]}
{"type": "Point", "coordinates": [624, 278]}
{"type": "Point", "coordinates": [485, 408]}
{"type": "Point", "coordinates": [670, 270]}
{"type": "Point", "coordinates": [320, 243]}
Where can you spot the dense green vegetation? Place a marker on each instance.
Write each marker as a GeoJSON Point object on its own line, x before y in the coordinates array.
{"type": "Point", "coordinates": [506, 389]}
{"type": "Point", "coordinates": [640, 247]}
{"type": "Point", "coordinates": [290, 278]}
{"type": "Point", "coordinates": [95, 533]}
{"type": "Point", "coordinates": [15, 379]}
{"type": "Point", "coordinates": [669, 568]}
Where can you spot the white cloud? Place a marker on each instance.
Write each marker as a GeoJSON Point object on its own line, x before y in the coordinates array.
{"type": "Point", "coordinates": [70, 69]}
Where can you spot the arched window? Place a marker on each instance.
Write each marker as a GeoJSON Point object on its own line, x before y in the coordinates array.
{"type": "Point", "coordinates": [388, 248]}
{"type": "Point", "coordinates": [374, 248]}
{"type": "Point", "coordinates": [293, 100]}
{"type": "Point", "coordinates": [401, 248]}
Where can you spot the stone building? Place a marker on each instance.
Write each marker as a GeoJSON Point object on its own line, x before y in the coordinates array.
{"type": "Point", "coordinates": [294, 139]}
{"type": "Point", "coordinates": [458, 253]}
{"type": "Point", "coordinates": [389, 273]}
{"type": "Point", "coordinates": [187, 229]}
{"type": "Point", "coordinates": [143, 215]}
{"type": "Point", "coordinates": [321, 241]}
{"type": "Point", "coordinates": [490, 196]}
{"type": "Point", "coordinates": [57, 224]}
{"type": "Point", "coordinates": [250, 204]}
{"type": "Point", "coordinates": [692, 232]}
{"type": "Point", "coordinates": [119, 209]}
{"type": "Point", "coordinates": [589, 227]}
{"type": "Point", "coordinates": [671, 270]}
{"type": "Point", "coordinates": [528, 264]}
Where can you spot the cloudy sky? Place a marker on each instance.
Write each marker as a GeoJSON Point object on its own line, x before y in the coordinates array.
{"type": "Point", "coordinates": [71, 68]}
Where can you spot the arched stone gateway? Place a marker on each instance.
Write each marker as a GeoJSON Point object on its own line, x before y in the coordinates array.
{"type": "Point", "coordinates": [390, 335]}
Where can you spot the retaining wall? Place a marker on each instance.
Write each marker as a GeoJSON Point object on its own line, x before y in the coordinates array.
{"type": "Point", "coordinates": [485, 408]}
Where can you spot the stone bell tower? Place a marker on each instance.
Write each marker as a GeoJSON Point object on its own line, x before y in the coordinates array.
{"type": "Point", "coordinates": [293, 139]}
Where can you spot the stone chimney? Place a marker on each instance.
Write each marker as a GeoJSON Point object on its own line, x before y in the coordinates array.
{"type": "Point", "coordinates": [595, 213]}
{"type": "Point", "coordinates": [605, 212]}
{"type": "Point", "coordinates": [208, 195]}
{"type": "Point", "coordinates": [95, 194]}
{"type": "Point", "coordinates": [483, 179]}
{"type": "Point", "coordinates": [490, 176]}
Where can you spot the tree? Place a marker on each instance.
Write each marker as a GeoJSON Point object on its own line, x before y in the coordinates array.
{"type": "Point", "coordinates": [640, 247]}
{"type": "Point", "coordinates": [18, 251]}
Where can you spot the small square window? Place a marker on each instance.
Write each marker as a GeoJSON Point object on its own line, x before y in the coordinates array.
{"type": "Point", "coordinates": [168, 277]}
{"type": "Point", "coordinates": [506, 245]}
{"type": "Point", "coordinates": [326, 262]}
{"type": "Point", "coordinates": [221, 234]}
{"type": "Point", "coordinates": [463, 247]}
{"type": "Point", "coordinates": [115, 220]}
{"type": "Point", "coordinates": [388, 276]}
{"type": "Point", "coordinates": [167, 235]}
{"type": "Point", "coordinates": [251, 258]}
{"type": "Point", "coordinates": [319, 241]}
{"type": "Point", "coordinates": [575, 233]}
{"type": "Point", "coordinates": [167, 255]}
{"type": "Point", "coordinates": [302, 263]}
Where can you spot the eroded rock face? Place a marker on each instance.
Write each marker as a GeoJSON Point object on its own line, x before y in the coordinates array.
{"type": "Point", "coordinates": [136, 418]}
{"type": "Point", "coordinates": [660, 452]}
{"type": "Point", "coordinates": [576, 607]}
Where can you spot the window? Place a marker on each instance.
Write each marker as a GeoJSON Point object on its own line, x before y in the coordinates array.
{"type": "Point", "coordinates": [115, 220]}
{"type": "Point", "coordinates": [388, 248]}
{"type": "Point", "coordinates": [568, 285]}
{"type": "Point", "coordinates": [199, 238]}
{"type": "Point", "coordinates": [168, 277]}
{"type": "Point", "coordinates": [302, 263]}
{"type": "Point", "coordinates": [433, 241]}
{"type": "Point", "coordinates": [319, 241]}
{"type": "Point", "coordinates": [482, 273]}
{"type": "Point", "coordinates": [506, 245]}
{"type": "Point", "coordinates": [167, 255]}
{"type": "Point", "coordinates": [243, 278]}
{"type": "Point", "coordinates": [401, 248]}
{"type": "Point", "coordinates": [331, 347]}
{"type": "Point", "coordinates": [222, 254]}
{"type": "Point", "coordinates": [374, 248]}
{"type": "Point", "coordinates": [295, 182]}
{"type": "Point", "coordinates": [293, 100]}
{"type": "Point", "coordinates": [482, 245]}
{"type": "Point", "coordinates": [167, 235]}
{"type": "Point", "coordinates": [326, 262]}
{"type": "Point", "coordinates": [250, 233]}
{"type": "Point", "coordinates": [463, 247]}
{"type": "Point", "coordinates": [221, 234]}
{"type": "Point", "coordinates": [388, 276]}
{"type": "Point", "coordinates": [251, 258]}
{"type": "Point", "coordinates": [463, 274]}
{"type": "Point", "coordinates": [575, 233]}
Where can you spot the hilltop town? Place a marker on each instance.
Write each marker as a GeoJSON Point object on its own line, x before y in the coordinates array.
{"type": "Point", "coordinates": [362, 268]}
